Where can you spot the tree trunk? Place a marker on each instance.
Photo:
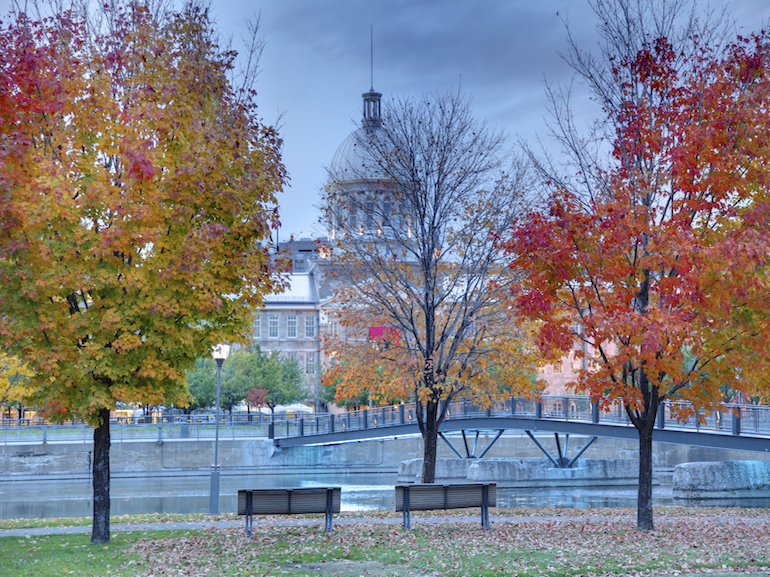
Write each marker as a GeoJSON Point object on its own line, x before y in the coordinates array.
{"type": "Point", "coordinates": [646, 421]}
{"type": "Point", "coordinates": [644, 500]}
{"type": "Point", "coordinates": [100, 532]}
{"type": "Point", "coordinates": [430, 442]}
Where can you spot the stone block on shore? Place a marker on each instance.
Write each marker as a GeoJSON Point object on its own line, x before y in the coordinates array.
{"type": "Point", "coordinates": [527, 472]}
{"type": "Point", "coordinates": [447, 470]}
{"type": "Point", "coordinates": [720, 479]}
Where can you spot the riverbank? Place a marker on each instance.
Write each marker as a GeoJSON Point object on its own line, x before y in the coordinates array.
{"type": "Point", "coordinates": [242, 456]}
{"type": "Point", "coordinates": [37, 499]}
{"type": "Point", "coordinates": [526, 542]}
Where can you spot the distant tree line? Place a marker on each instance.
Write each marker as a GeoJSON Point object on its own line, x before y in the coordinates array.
{"type": "Point", "coordinates": [250, 375]}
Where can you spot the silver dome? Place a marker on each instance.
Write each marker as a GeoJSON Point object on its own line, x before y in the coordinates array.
{"type": "Point", "coordinates": [352, 161]}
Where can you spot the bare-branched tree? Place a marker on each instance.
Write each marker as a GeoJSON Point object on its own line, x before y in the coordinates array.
{"type": "Point", "coordinates": [417, 202]}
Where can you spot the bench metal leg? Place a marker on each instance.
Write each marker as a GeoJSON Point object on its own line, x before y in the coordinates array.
{"type": "Point", "coordinates": [329, 507]}
{"type": "Point", "coordinates": [407, 512]}
{"type": "Point", "coordinates": [249, 516]}
{"type": "Point", "coordinates": [485, 507]}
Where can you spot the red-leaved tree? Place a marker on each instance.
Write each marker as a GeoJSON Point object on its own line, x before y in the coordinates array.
{"type": "Point", "coordinates": [659, 262]}
{"type": "Point", "coordinates": [256, 397]}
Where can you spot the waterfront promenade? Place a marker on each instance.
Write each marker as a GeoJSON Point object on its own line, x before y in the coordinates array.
{"type": "Point", "coordinates": [547, 542]}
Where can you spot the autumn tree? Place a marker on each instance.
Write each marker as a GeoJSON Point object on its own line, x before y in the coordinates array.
{"type": "Point", "coordinates": [136, 194]}
{"type": "Point", "coordinates": [415, 207]}
{"type": "Point", "coordinates": [656, 257]}
{"type": "Point", "coordinates": [14, 388]}
{"type": "Point", "coordinates": [256, 397]}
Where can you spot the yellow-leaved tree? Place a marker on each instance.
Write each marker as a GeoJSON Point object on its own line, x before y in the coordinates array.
{"type": "Point", "coordinates": [137, 192]}
{"type": "Point", "coordinates": [14, 388]}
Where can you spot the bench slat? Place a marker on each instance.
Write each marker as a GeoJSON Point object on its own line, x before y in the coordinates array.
{"type": "Point", "coordinates": [276, 501]}
{"type": "Point", "coordinates": [430, 496]}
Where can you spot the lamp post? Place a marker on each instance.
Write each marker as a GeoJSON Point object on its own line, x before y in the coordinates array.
{"type": "Point", "coordinates": [220, 354]}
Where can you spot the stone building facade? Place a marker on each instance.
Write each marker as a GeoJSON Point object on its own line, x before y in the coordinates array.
{"type": "Point", "coordinates": [291, 322]}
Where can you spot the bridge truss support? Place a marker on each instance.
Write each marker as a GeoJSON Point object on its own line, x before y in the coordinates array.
{"type": "Point", "coordinates": [562, 461]}
{"type": "Point", "coordinates": [468, 453]}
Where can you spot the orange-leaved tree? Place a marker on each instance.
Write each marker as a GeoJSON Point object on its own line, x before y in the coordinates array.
{"type": "Point", "coordinates": [661, 259]}
{"type": "Point", "coordinates": [381, 365]}
{"type": "Point", "coordinates": [136, 193]}
{"type": "Point", "coordinates": [415, 212]}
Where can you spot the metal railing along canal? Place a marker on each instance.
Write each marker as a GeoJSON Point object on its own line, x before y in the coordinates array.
{"type": "Point", "coordinates": [735, 419]}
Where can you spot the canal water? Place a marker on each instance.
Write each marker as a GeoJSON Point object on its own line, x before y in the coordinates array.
{"type": "Point", "coordinates": [360, 492]}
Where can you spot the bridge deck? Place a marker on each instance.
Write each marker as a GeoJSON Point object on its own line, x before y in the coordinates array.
{"type": "Point", "coordinates": [741, 427]}
{"type": "Point", "coordinates": [744, 427]}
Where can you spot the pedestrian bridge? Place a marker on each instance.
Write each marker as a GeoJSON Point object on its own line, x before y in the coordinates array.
{"type": "Point", "coordinates": [733, 426]}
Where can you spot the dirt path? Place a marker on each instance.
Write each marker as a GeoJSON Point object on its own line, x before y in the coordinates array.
{"type": "Point", "coordinates": [283, 522]}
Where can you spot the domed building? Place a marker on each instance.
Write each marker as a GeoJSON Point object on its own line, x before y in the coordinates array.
{"type": "Point", "coordinates": [362, 198]}
{"type": "Point", "coordinates": [291, 322]}
{"type": "Point", "coordinates": [350, 158]}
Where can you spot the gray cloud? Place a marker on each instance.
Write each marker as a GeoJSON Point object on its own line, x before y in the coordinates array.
{"type": "Point", "coordinates": [316, 66]}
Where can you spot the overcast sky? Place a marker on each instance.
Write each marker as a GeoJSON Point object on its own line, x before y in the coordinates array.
{"type": "Point", "coordinates": [316, 65]}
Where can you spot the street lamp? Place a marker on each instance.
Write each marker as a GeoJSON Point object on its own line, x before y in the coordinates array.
{"type": "Point", "coordinates": [220, 354]}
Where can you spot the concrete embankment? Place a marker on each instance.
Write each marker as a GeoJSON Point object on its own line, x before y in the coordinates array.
{"type": "Point", "coordinates": [194, 457]}
{"type": "Point", "coordinates": [179, 457]}
{"type": "Point", "coordinates": [527, 472]}
{"type": "Point", "coordinates": [722, 479]}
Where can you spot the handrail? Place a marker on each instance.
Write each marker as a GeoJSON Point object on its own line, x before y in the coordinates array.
{"type": "Point", "coordinates": [734, 419]}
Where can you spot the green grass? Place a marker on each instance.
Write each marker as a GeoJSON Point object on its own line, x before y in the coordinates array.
{"type": "Point", "coordinates": [73, 555]}
{"type": "Point", "coordinates": [116, 520]}
{"type": "Point", "coordinates": [534, 543]}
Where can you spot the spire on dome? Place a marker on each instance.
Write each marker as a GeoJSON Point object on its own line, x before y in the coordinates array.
{"type": "Point", "coordinates": [372, 115]}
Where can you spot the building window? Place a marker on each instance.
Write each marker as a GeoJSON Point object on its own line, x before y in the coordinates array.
{"type": "Point", "coordinates": [577, 364]}
{"type": "Point", "coordinates": [291, 327]}
{"type": "Point", "coordinates": [310, 327]}
{"type": "Point", "coordinates": [299, 265]}
{"type": "Point", "coordinates": [369, 214]}
{"type": "Point", "coordinates": [401, 216]}
{"type": "Point", "coordinates": [310, 363]}
{"type": "Point", "coordinates": [272, 326]}
{"type": "Point", "coordinates": [293, 358]}
{"type": "Point", "coordinates": [334, 328]}
{"type": "Point", "coordinates": [257, 327]}
{"type": "Point", "coordinates": [386, 213]}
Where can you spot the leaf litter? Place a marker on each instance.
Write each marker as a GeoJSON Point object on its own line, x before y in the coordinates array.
{"type": "Point", "coordinates": [578, 542]}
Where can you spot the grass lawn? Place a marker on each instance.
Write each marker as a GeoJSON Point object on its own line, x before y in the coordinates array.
{"type": "Point", "coordinates": [526, 542]}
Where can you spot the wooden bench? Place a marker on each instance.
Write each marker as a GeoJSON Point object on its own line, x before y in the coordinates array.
{"type": "Point", "coordinates": [430, 496]}
{"type": "Point", "coordinates": [290, 501]}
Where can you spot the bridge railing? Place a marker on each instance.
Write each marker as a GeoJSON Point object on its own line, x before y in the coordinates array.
{"type": "Point", "coordinates": [729, 418]}
{"type": "Point", "coordinates": [733, 419]}
{"type": "Point", "coordinates": [132, 431]}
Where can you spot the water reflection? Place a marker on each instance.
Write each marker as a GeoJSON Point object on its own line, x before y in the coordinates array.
{"type": "Point", "coordinates": [43, 499]}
